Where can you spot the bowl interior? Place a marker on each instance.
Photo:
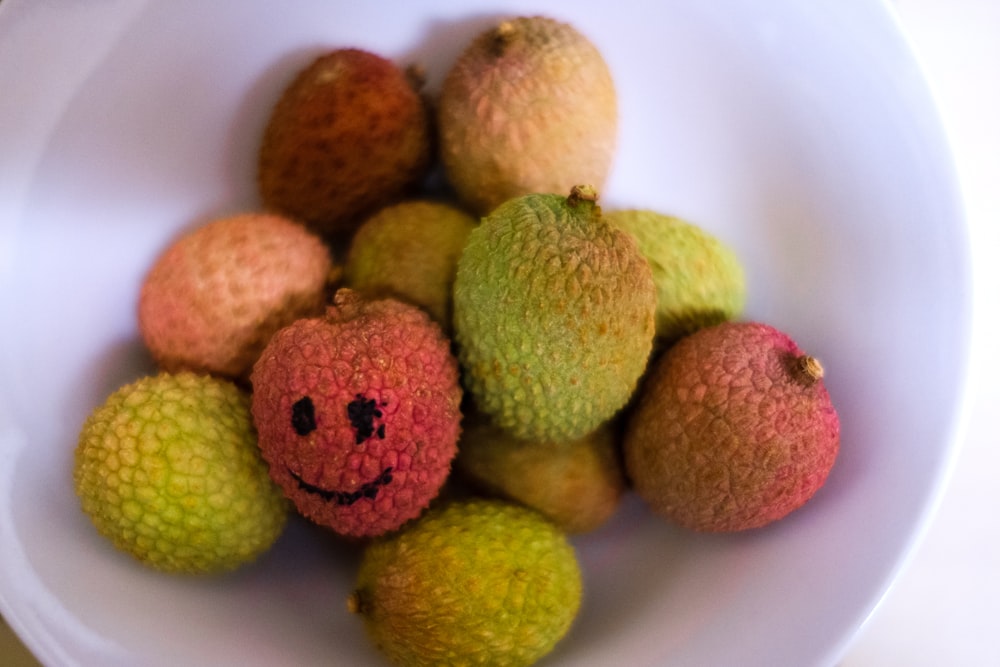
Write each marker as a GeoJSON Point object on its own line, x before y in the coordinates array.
{"type": "Point", "coordinates": [802, 135]}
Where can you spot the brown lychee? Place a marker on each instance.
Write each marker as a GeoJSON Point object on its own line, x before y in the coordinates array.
{"type": "Point", "coordinates": [357, 413]}
{"type": "Point", "coordinates": [409, 251]}
{"type": "Point", "coordinates": [733, 429]}
{"type": "Point", "coordinates": [578, 485]}
{"type": "Point", "coordinates": [214, 297]}
{"type": "Point", "coordinates": [529, 106]}
{"type": "Point", "coordinates": [349, 134]}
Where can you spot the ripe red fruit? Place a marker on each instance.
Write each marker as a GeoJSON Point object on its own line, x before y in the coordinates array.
{"type": "Point", "coordinates": [357, 413]}
{"type": "Point", "coordinates": [733, 429]}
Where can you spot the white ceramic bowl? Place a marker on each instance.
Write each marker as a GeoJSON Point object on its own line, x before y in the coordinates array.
{"type": "Point", "coordinates": [800, 132]}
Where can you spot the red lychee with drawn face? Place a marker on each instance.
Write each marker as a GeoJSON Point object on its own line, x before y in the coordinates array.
{"type": "Point", "coordinates": [357, 413]}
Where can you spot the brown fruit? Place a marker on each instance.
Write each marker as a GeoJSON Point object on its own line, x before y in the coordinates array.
{"type": "Point", "coordinates": [348, 135]}
{"type": "Point", "coordinates": [734, 429]}
{"type": "Point", "coordinates": [578, 485]}
{"type": "Point", "coordinates": [529, 106]}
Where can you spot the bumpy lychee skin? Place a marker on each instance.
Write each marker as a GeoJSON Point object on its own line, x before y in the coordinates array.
{"type": "Point", "coordinates": [578, 485]}
{"type": "Point", "coordinates": [349, 134]}
{"type": "Point", "coordinates": [700, 281]}
{"type": "Point", "coordinates": [409, 251]}
{"type": "Point", "coordinates": [475, 582]}
{"type": "Point", "coordinates": [215, 296]}
{"type": "Point", "coordinates": [553, 316]}
{"type": "Point", "coordinates": [733, 429]}
{"type": "Point", "coordinates": [358, 413]}
{"type": "Point", "coordinates": [168, 469]}
{"type": "Point", "coordinates": [529, 106]}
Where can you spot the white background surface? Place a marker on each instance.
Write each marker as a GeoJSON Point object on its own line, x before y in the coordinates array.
{"type": "Point", "coordinates": [945, 607]}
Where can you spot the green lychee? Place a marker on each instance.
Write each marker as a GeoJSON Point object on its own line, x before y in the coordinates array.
{"type": "Point", "coordinates": [733, 429]}
{"type": "Point", "coordinates": [529, 106]}
{"type": "Point", "coordinates": [553, 316]}
{"type": "Point", "coordinates": [700, 281]}
{"type": "Point", "coordinates": [169, 471]}
{"type": "Point", "coordinates": [578, 485]}
{"type": "Point", "coordinates": [217, 293]}
{"type": "Point", "coordinates": [348, 135]}
{"type": "Point", "coordinates": [409, 251]}
{"type": "Point", "coordinates": [475, 582]}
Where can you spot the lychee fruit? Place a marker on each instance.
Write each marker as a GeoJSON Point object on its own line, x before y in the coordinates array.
{"type": "Point", "coordinates": [553, 316]}
{"type": "Point", "coordinates": [476, 582]}
{"type": "Point", "coordinates": [733, 429]}
{"type": "Point", "coordinates": [214, 297]}
{"type": "Point", "coordinates": [700, 281]}
{"type": "Point", "coordinates": [578, 485]}
{"type": "Point", "coordinates": [358, 413]}
{"type": "Point", "coordinates": [348, 135]}
{"type": "Point", "coordinates": [529, 106]}
{"type": "Point", "coordinates": [409, 251]}
{"type": "Point", "coordinates": [168, 470]}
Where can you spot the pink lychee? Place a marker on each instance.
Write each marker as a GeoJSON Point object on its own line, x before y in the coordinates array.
{"type": "Point", "coordinates": [733, 429]}
{"type": "Point", "coordinates": [358, 414]}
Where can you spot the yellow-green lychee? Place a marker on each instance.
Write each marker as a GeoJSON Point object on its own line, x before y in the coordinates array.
{"type": "Point", "coordinates": [475, 582]}
{"type": "Point", "coordinates": [578, 485]}
{"type": "Point", "coordinates": [700, 280]}
{"type": "Point", "coordinates": [409, 251]}
{"type": "Point", "coordinates": [168, 470]}
{"type": "Point", "coordinates": [554, 316]}
{"type": "Point", "coordinates": [529, 106]}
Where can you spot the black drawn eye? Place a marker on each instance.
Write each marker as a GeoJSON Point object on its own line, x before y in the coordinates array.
{"type": "Point", "coordinates": [303, 416]}
{"type": "Point", "coordinates": [362, 413]}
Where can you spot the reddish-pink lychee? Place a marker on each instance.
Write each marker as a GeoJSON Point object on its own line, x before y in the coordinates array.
{"type": "Point", "coordinates": [358, 414]}
{"type": "Point", "coordinates": [217, 293]}
{"type": "Point", "coordinates": [734, 429]}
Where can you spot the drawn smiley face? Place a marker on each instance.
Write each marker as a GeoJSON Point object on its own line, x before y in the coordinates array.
{"type": "Point", "coordinates": [365, 417]}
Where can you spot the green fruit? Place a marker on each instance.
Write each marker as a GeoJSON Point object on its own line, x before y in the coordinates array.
{"type": "Point", "coordinates": [475, 582]}
{"type": "Point", "coordinates": [578, 485]}
{"type": "Point", "coordinates": [529, 106]}
{"type": "Point", "coordinates": [409, 251]}
{"type": "Point", "coordinates": [553, 316]}
{"type": "Point", "coordinates": [699, 280]}
{"type": "Point", "coordinates": [168, 469]}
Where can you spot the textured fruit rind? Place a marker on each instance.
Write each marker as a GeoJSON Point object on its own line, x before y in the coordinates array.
{"type": "Point", "coordinates": [215, 296]}
{"type": "Point", "coordinates": [726, 434]}
{"type": "Point", "coordinates": [349, 134]}
{"type": "Point", "coordinates": [699, 279]}
{"type": "Point", "coordinates": [578, 485]}
{"type": "Point", "coordinates": [409, 251]}
{"type": "Point", "coordinates": [386, 359]}
{"type": "Point", "coordinates": [167, 468]}
{"type": "Point", "coordinates": [554, 317]}
{"type": "Point", "coordinates": [474, 582]}
{"type": "Point", "coordinates": [529, 106]}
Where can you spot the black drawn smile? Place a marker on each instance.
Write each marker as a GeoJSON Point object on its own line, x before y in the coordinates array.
{"type": "Point", "coordinates": [367, 490]}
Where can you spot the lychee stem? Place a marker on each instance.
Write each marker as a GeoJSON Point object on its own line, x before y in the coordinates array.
{"type": "Point", "coordinates": [354, 603]}
{"type": "Point", "coordinates": [416, 76]}
{"type": "Point", "coordinates": [502, 36]}
{"type": "Point", "coordinates": [581, 193]}
{"type": "Point", "coordinates": [808, 369]}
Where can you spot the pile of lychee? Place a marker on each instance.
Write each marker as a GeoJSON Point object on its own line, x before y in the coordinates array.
{"type": "Point", "coordinates": [430, 339]}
